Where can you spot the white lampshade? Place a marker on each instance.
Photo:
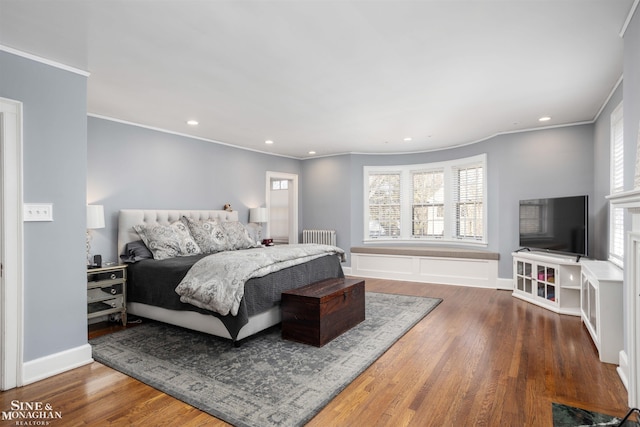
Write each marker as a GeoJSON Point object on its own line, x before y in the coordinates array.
{"type": "Point", "coordinates": [258, 215]}
{"type": "Point", "coordinates": [95, 216]}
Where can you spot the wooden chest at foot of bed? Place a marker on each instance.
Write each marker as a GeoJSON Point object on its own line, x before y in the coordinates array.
{"type": "Point", "coordinates": [317, 313]}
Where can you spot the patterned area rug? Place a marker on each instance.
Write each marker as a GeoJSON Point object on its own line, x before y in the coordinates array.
{"type": "Point", "coordinates": [267, 381]}
{"type": "Point", "coordinates": [569, 416]}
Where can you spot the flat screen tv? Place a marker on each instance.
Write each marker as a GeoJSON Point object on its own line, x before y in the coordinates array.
{"type": "Point", "coordinates": [557, 224]}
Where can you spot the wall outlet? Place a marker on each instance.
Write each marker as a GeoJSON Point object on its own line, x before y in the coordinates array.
{"type": "Point", "coordinates": [38, 212]}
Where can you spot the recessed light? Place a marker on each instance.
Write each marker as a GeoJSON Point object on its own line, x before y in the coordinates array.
{"type": "Point", "coordinates": [192, 122]}
{"type": "Point", "coordinates": [312, 152]}
{"type": "Point", "coordinates": [268, 141]}
{"type": "Point", "coordinates": [408, 139]}
{"type": "Point", "coordinates": [544, 119]}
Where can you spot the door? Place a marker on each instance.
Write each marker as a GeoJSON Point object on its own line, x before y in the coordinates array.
{"type": "Point", "coordinates": [282, 205]}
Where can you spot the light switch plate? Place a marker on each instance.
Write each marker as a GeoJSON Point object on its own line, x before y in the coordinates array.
{"type": "Point", "coordinates": [38, 212]}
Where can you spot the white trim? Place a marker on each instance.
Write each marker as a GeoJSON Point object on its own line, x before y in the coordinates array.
{"type": "Point", "coordinates": [632, 11]}
{"type": "Point", "coordinates": [431, 150]}
{"type": "Point", "coordinates": [623, 369]}
{"type": "Point", "coordinates": [293, 208]}
{"type": "Point", "coordinates": [477, 273]}
{"type": "Point", "coordinates": [44, 60]}
{"type": "Point", "coordinates": [11, 253]}
{"type": "Point", "coordinates": [631, 200]}
{"type": "Point", "coordinates": [632, 281]}
{"type": "Point", "coordinates": [54, 364]}
{"type": "Point", "coordinates": [606, 101]}
{"type": "Point", "coordinates": [186, 135]}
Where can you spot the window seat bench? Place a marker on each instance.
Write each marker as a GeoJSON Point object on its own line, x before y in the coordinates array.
{"type": "Point", "coordinates": [428, 264]}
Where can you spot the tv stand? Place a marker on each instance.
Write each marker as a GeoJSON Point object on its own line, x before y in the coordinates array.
{"type": "Point", "coordinates": [550, 281]}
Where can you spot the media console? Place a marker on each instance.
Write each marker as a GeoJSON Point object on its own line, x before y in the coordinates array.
{"type": "Point", "coordinates": [550, 281]}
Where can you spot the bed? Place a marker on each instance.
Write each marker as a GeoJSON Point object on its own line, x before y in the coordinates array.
{"type": "Point", "coordinates": [151, 283]}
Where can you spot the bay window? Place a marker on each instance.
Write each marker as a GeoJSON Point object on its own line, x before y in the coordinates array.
{"type": "Point", "coordinates": [444, 201]}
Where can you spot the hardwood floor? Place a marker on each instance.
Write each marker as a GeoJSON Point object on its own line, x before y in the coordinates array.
{"type": "Point", "coordinates": [481, 358]}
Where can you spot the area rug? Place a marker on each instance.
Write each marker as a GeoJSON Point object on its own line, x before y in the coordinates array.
{"type": "Point", "coordinates": [267, 381]}
{"type": "Point", "coordinates": [570, 416]}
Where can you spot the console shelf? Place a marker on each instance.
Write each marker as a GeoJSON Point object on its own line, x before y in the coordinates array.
{"type": "Point", "coordinates": [602, 307]}
{"type": "Point", "coordinates": [550, 281]}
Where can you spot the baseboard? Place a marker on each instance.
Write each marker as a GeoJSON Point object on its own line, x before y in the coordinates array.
{"type": "Point", "coordinates": [505, 284]}
{"type": "Point", "coordinates": [347, 270]}
{"type": "Point", "coordinates": [623, 369]}
{"type": "Point", "coordinates": [54, 364]}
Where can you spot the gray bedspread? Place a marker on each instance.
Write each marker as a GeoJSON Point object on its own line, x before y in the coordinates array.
{"type": "Point", "coordinates": [216, 282]}
{"type": "Point", "coordinates": [153, 282]}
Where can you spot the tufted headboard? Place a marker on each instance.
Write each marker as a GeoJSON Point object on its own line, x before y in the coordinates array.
{"type": "Point", "coordinates": [130, 217]}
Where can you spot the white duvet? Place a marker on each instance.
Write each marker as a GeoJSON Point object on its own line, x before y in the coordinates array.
{"type": "Point", "coordinates": [216, 282]}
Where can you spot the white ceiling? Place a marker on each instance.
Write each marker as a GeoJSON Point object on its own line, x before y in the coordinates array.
{"type": "Point", "coordinates": [332, 76]}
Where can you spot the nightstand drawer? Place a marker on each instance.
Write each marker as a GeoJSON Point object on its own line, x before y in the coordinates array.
{"type": "Point", "coordinates": [98, 305]}
{"type": "Point", "coordinates": [102, 294]}
{"type": "Point", "coordinates": [113, 289]}
{"type": "Point", "coordinates": [105, 276]}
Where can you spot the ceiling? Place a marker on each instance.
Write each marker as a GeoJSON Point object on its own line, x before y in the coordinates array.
{"type": "Point", "coordinates": [332, 76]}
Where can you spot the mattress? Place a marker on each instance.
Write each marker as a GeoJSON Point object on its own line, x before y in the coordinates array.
{"type": "Point", "coordinates": [153, 282]}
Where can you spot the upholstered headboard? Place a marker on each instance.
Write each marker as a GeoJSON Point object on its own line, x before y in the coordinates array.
{"type": "Point", "coordinates": [130, 217]}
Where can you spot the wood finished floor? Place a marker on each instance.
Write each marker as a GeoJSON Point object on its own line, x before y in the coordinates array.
{"type": "Point", "coordinates": [481, 358]}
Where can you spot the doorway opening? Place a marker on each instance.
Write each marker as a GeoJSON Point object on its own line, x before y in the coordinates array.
{"type": "Point", "coordinates": [281, 195]}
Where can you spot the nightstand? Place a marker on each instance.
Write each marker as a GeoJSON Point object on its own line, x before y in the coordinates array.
{"type": "Point", "coordinates": [107, 292]}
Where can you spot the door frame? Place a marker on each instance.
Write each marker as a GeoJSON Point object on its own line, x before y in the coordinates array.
{"type": "Point", "coordinates": [11, 250]}
{"type": "Point", "coordinates": [293, 199]}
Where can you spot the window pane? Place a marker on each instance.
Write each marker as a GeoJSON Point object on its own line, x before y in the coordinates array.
{"type": "Point", "coordinates": [427, 213]}
{"type": "Point", "coordinates": [469, 203]}
{"type": "Point", "coordinates": [384, 205]}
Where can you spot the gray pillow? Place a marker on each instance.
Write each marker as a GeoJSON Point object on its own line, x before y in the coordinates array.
{"type": "Point", "coordinates": [237, 236]}
{"type": "Point", "coordinates": [135, 251]}
{"type": "Point", "coordinates": [208, 234]}
{"type": "Point", "coordinates": [168, 241]}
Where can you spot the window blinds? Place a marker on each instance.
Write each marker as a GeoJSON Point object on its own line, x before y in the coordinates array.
{"type": "Point", "coordinates": [384, 205]}
{"type": "Point", "coordinates": [468, 196]}
{"type": "Point", "coordinates": [427, 207]}
{"type": "Point", "coordinates": [616, 215]}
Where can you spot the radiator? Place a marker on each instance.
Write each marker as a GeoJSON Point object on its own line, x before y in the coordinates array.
{"type": "Point", "coordinates": [324, 237]}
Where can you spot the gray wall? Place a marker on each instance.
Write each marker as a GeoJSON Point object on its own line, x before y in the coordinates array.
{"type": "Point", "coordinates": [545, 163]}
{"type": "Point", "coordinates": [326, 196]}
{"type": "Point", "coordinates": [139, 168]}
{"type": "Point", "coordinates": [54, 171]}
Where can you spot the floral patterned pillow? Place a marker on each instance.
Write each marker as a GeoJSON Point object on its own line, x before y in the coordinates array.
{"type": "Point", "coordinates": [168, 241]}
{"type": "Point", "coordinates": [208, 234]}
{"type": "Point", "coordinates": [237, 236]}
